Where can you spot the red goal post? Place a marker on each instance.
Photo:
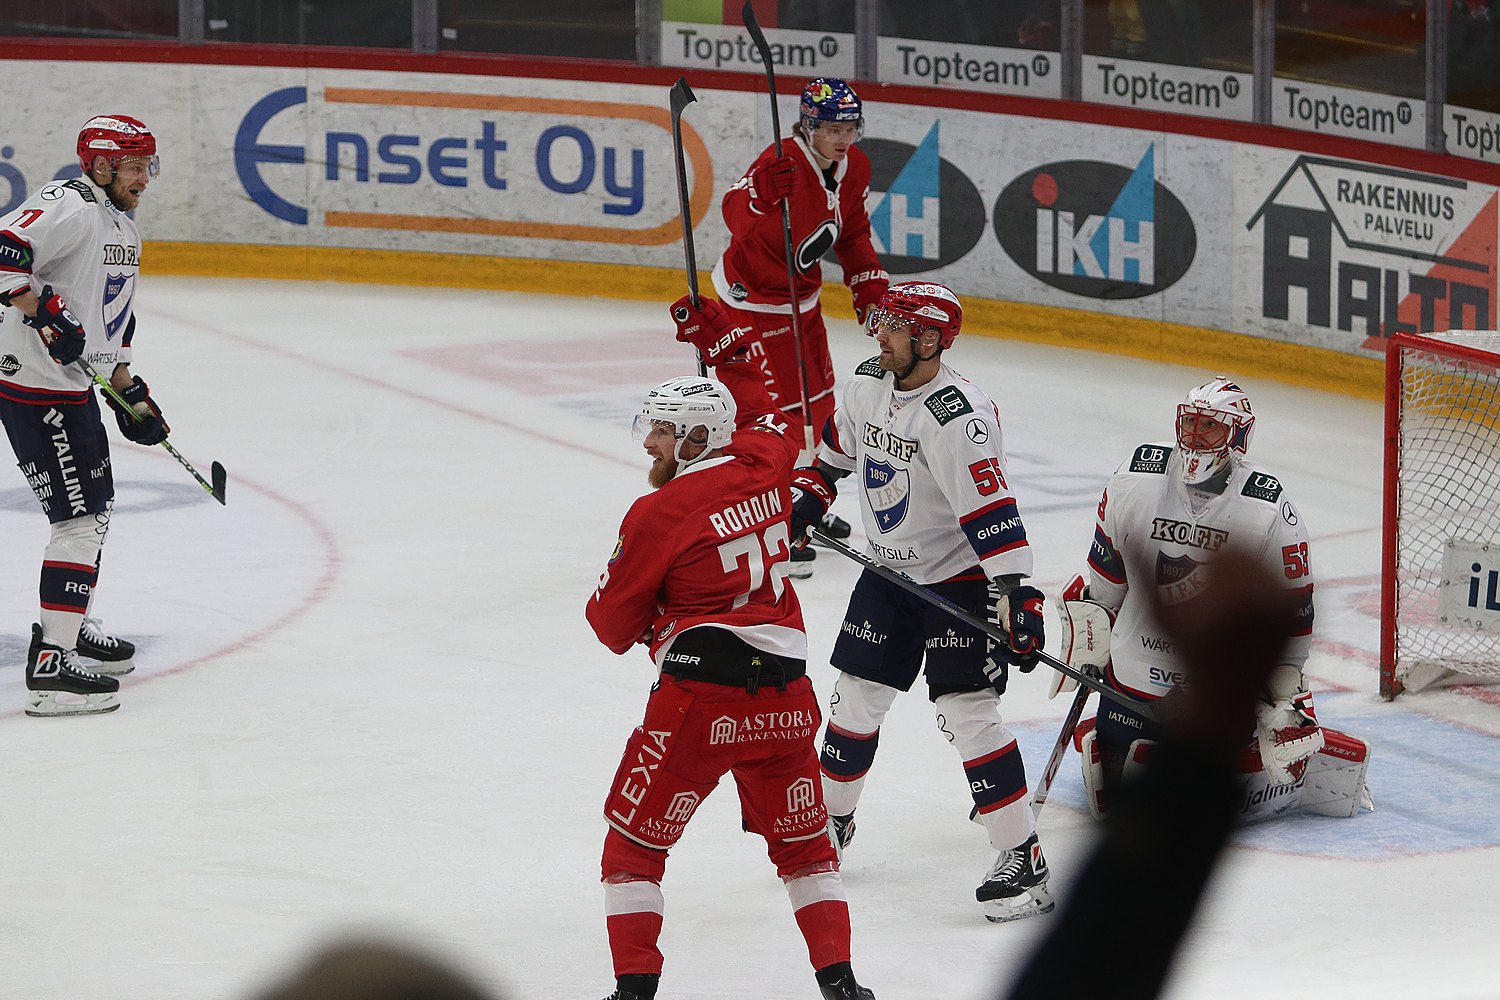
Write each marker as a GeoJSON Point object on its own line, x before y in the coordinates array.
{"type": "Point", "coordinates": [1440, 559]}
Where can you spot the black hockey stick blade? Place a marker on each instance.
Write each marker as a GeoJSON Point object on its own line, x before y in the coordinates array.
{"type": "Point", "coordinates": [747, 14]}
{"type": "Point", "coordinates": [219, 477]}
{"type": "Point", "coordinates": [682, 96]}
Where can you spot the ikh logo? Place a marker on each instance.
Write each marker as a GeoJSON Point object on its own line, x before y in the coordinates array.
{"type": "Point", "coordinates": [924, 213]}
{"type": "Point", "coordinates": [1097, 229]}
{"type": "Point", "coordinates": [1490, 602]}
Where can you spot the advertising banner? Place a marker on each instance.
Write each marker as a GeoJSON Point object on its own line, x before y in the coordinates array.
{"type": "Point", "coordinates": [1159, 87]}
{"type": "Point", "coordinates": [1475, 134]}
{"type": "Point", "coordinates": [1355, 114]}
{"type": "Point", "coordinates": [921, 63]}
{"type": "Point", "coordinates": [1115, 221]}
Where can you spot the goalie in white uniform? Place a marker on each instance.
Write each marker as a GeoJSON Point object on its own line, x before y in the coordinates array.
{"type": "Point", "coordinates": [1163, 516]}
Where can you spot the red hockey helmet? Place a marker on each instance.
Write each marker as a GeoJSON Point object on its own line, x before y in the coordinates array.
{"type": "Point", "coordinates": [921, 304]}
{"type": "Point", "coordinates": [115, 137]}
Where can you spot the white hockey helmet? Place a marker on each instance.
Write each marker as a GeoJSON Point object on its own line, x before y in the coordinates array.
{"type": "Point", "coordinates": [688, 402]}
{"type": "Point", "coordinates": [1214, 425]}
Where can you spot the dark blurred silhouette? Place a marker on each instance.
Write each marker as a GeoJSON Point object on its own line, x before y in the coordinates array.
{"type": "Point", "coordinates": [1127, 914]}
{"type": "Point", "coordinates": [374, 970]}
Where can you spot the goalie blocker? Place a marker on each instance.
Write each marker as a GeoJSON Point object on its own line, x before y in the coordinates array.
{"type": "Point", "coordinates": [1291, 763]}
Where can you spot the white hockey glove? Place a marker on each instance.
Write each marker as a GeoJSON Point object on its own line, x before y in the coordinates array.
{"type": "Point", "coordinates": [1288, 733]}
{"type": "Point", "coordinates": [1086, 628]}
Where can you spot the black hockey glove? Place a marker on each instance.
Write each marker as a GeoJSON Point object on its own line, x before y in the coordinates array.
{"type": "Point", "coordinates": [148, 427]}
{"type": "Point", "coordinates": [812, 494]}
{"type": "Point", "coordinates": [1019, 614]}
{"type": "Point", "coordinates": [59, 328]}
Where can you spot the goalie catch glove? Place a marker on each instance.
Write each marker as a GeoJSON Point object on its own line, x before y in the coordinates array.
{"type": "Point", "coordinates": [812, 494]}
{"type": "Point", "coordinates": [1288, 733]}
{"type": "Point", "coordinates": [1086, 627]}
{"type": "Point", "coordinates": [143, 422]}
{"type": "Point", "coordinates": [58, 327]}
{"type": "Point", "coordinates": [707, 327]}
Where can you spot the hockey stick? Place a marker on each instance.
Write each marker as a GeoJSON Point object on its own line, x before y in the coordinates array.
{"type": "Point", "coordinates": [221, 478]}
{"type": "Point", "coordinates": [1059, 751]}
{"type": "Point", "coordinates": [759, 38]}
{"type": "Point", "coordinates": [682, 96]}
{"type": "Point", "coordinates": [973, 621]}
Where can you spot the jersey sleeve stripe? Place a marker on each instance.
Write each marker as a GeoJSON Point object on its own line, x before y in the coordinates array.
{"type": "Point", "coordinates": [994, 529]}
{"type": "Point", "coordinates": [1104, 558]}
{"type": "Point", "coordinates": [1304, 614]}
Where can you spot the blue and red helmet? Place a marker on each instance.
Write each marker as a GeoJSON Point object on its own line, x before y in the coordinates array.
{"type": "Point", "coordinates": [827, 99]}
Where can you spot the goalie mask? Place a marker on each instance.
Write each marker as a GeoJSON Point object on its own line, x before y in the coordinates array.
{"type": "Point", "coordinates": [688, 403]}
{"type": "Point", "coordinates": [116, 137]}
{"type": "Point", "coordinates": [1214, 425]}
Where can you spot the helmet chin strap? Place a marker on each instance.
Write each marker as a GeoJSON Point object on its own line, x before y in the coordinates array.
{"type": "Point", "coordinates": [916, 359]}
{"type": "Point", "coordinates": [693, 438]}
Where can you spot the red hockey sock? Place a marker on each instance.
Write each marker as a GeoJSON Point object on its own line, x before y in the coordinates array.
{"type": "Point", "coordinates": [823, 915]}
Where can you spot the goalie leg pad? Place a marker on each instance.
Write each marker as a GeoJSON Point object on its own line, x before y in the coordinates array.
{"type": "Point", "coordinates": [1092, 758]}
{"type": "Point", "coordinates": [992, 764]}
{"type": "Point", "coordinates": [1085, 641]}
{"type": "Point", "coordinates": [1334, 784]}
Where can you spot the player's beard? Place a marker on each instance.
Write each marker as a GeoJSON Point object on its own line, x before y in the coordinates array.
{"type": "Point", "coordinates": [120, 196]}
{"type": "Point", "coordinates": [662, 471]}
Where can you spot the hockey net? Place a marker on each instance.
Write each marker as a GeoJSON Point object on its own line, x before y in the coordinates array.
{"type": "Point", "coordinates": [1440, 574]}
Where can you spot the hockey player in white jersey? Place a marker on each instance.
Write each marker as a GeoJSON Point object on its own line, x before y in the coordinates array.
{"type": "Point", "coordinates": [926, 450]}
{"type": "Point", "coordinates": [69, 257]}
{"type": "Point", "coordinates": [1165, 514]}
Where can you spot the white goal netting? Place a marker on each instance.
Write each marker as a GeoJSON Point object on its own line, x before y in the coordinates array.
{"type": "Point", "coordinates": [1441, 607]}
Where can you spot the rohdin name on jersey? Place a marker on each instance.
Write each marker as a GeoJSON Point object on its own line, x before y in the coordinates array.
{"type": "Point", "coordinates": [747, 514]}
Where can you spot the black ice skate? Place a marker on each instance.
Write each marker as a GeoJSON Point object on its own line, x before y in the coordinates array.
{"type": "Point", "coordinates": [1016, 887]}
{"type": "Point", "coordinates": [635, 986]}
{"type": "Point", "coordinates": [835, 527]}
{"type": "Point", "coordinates": [802, 560]}
{"type": "Point", "coordinates": [837, 983]}
{"type": "Point", "coordinates": [841, 832]}
{"type": "Point", "coordinates": [116, 656]}
{"type": "Point", "coordinates": [57, 685]}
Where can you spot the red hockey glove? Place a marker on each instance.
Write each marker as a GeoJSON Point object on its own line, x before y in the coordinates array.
{"type": "Point", "coordinates": [709, 328]}
{"type": "Point", "coordinates": [812, 495]}
{"type": "Point", "coordinates": [772, 182]}
{"type": "Point", "coordinates": [58, 327]}
{"type": "Point", "coordinates": [867, 289]}
{"type": "Point", "coordinates": [143, 422]}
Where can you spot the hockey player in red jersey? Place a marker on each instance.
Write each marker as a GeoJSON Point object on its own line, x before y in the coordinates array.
{"type": "Point", "coordinates": [825, 181]}
{"type": "Point", "coordinates": [926, 450]}
{"type": "Point", "coordinates": [698, 576]}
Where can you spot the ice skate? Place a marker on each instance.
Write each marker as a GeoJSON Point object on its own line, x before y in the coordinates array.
{"type": "Point", "coordinates": [56, 684]}
{"type": "Point", "coordinates": [115, 656]}
{"type": "Point", "coordinates": [841, 832]}
{"type": "Point", "coordinates": [1016, 886]}
{"type": "Point", "coordinates": [837, 982]}
{"type": "Point", "coordinates": [801, 564]}
{"type": "Point", "coordinates": [834, 527]}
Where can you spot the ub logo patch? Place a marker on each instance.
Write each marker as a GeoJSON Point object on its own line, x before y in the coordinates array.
{"type": "Point", "coordinates": [889, 490]}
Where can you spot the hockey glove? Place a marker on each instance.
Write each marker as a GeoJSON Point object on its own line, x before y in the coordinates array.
{"type": "Point", "coordinates": [143, 422]}
{"type": "Point", "coordinates": [1288, 734]}
{"type": "Point", "coordinates": [709, 328]}
{"type": "Point", "coordinates": [58, 327]}
{"type": "Point", "coordinates": [1019, 614]}
{"type": "Point", "coordinates": [771, 182]}
{"type": "Point", "coordinates": [812, 495]}
{"type": "Point", "coordinates": [868, 288]}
